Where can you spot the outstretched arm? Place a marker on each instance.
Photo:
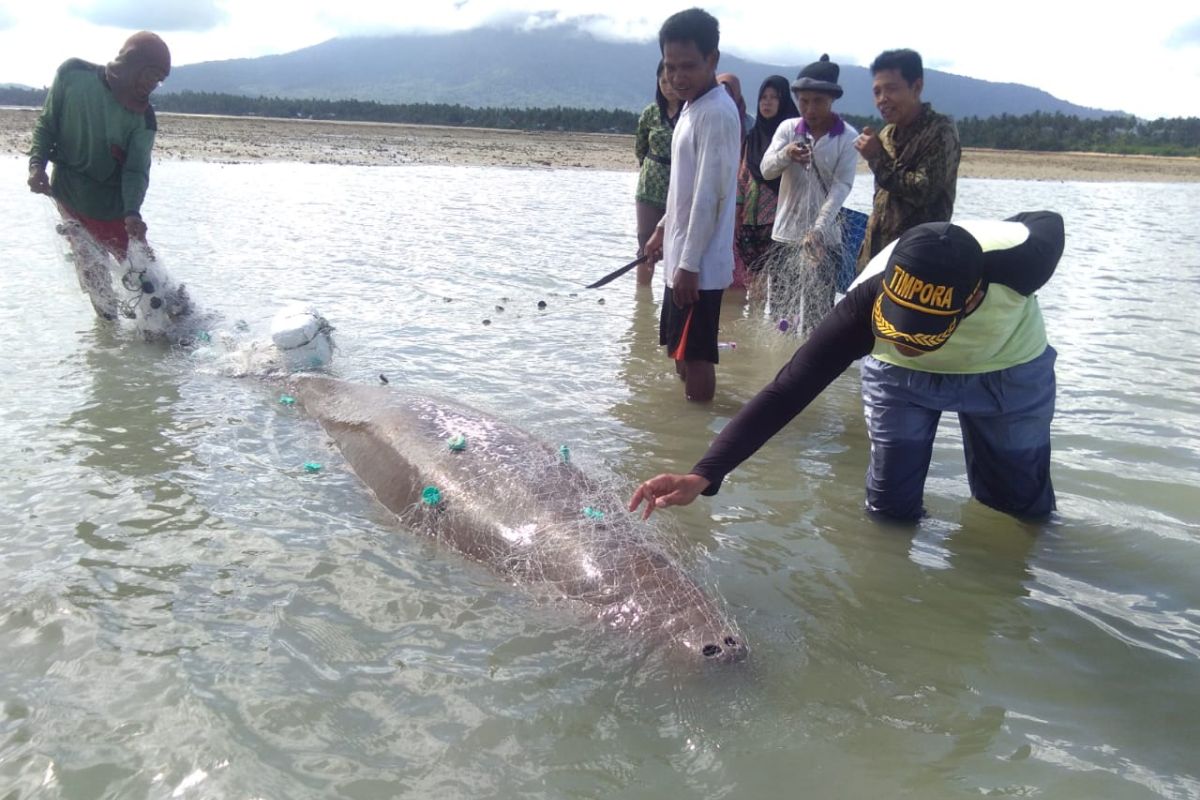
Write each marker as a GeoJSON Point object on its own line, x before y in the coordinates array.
{"type": "Point", "coordinates": [842, 337]}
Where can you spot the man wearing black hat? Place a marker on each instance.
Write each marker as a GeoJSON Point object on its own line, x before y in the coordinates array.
{"type": "Point", "coordinates": [945, 319]}
{"type": "Point", "coordinates": [814, 160]}
{"type": "Point", "coordinates": [914, 158]}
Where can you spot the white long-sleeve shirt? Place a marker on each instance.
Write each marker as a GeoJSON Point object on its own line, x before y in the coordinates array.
{"type": "Point", "coordinates": [702, 194]}
{"type": "Point", "coordinates": [803, 204]}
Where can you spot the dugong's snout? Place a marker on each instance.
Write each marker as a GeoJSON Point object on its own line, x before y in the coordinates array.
{"type": "Point", "coordinates": [731, 648]}
{"type": "Point", "coordinates": [726, 647]}
{"type": "Point", "coordinates": [708, 636]}
{"type": "Point", "coordinates": [674, 608]}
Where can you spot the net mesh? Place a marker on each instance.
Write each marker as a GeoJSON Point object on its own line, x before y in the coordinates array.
{"type": "Point", "coordinates": [798, 278]}
{"type": "Point", "coordinates": [520, 506]}
{"type": "Point", "coordinates": [508, 500]}
{"type": "Point", "coordinates": [592, 550]}
{"type": "Point", "coordinates": [144, 292]}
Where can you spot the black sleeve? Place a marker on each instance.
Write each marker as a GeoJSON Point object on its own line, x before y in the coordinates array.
{"type": "Point", "coordinates": [845, 335]}
{"type": "Point", "coordinates": [1028, 266]}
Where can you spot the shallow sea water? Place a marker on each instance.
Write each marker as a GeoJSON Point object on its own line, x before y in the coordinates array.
{"type": "Point", "coordinates": [185, 612]}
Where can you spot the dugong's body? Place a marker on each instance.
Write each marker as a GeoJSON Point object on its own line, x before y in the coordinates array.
{"type": "Point", "coordinates": [509, 500]}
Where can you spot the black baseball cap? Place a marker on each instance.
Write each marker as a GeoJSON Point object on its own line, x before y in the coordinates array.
{"type": "Point", "coordinates": [931, 272]}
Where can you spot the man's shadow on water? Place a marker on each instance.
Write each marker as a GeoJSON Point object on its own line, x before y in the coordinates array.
{"type": "Point", "coordinates": [123, 424]}
{"type": "Point", "coordinates": [125, 433]}
{"type": "Point", "coordinates": [908, 630]}
{"type": "Point", "coordinates": [654, 407]}
{"type": "Point", "coordinates": [645, 366]}
{"type": "Point", "coordinates": [664, 432]}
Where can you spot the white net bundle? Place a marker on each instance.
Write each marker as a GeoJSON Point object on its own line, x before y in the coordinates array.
{"type": "Point", "coordinates": [798, 278]}
{"type": "Point", "coordinates": [301, 338]}
{"type": "Point", "coordinates": [144, 292]}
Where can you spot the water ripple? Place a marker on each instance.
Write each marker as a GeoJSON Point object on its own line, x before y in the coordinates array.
{"type": "Point", "coordinates": [185, 611]}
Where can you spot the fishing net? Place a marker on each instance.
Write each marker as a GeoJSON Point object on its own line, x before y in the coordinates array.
{"type": "Point", "coordinates": [588, 549]}
{"type": "Point", "coordinates": [144, 292]}
{"type": "Point", "coordinates": [800, 285]}
{"type": "Point", "coordinates": [301, 339]}
{"type": "Point", "coordinates": [798, 279]}
{"type": "Point", "coordinates": [501, 498]}
{"type": "Point", "coordinates": [506, 499]}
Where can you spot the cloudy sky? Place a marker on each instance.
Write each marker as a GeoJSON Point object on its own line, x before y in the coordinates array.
{"type": "Point", "coordinates": [1142, 57]}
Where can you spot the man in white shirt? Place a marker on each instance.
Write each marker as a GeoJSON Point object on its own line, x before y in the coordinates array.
{"type": "Point", "coordinates": [695, 237]}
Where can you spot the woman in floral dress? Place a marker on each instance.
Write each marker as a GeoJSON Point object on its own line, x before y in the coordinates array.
{"type": "Point", "coordinates": [652, 145]}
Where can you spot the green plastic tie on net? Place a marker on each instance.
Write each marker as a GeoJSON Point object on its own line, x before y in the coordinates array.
{"type": "Point", "coordinates": [593, 513]}
{"type": "Point", "coordinates": [431, 496]}
{"type": "Point", "coordinates": [204, 336]}
{"type": "Point", "coordinates": [287, 400]}
{"type": "Point", "coordinates": [564, 453]}
{"type": "Point", "coordinates": [312, 466]}
{"type": "Point", "coordinates": [457, 443]}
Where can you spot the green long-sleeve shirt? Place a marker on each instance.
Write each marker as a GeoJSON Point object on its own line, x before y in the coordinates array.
{"type": "Point", "coordinates": [99, 148]}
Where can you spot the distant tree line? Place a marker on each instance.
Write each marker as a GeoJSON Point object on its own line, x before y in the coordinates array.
{"type": "Point", "coordinates": [1056, 132]}
{"type": "Point", "coordinates": [1040, 131]}
{"type": "Point", "coordinates": [12, 96]}
{"type": "Point", "coordinates": [1037, 131]}
{"type": "Point", "coordinates": [583, 120]}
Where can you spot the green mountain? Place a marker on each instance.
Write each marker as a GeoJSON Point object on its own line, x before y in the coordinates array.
{"type": "Point", "coordinates": [559, 66]}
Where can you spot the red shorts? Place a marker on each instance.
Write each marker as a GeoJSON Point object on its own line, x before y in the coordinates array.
{"type": "Point", "coordinates": [109, 233]}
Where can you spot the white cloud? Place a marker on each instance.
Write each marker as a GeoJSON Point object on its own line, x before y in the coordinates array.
{"type": "Point", "coordinates": [1099, 60]}
{"type": "Point", "coordinates": [161, 15]}
{"type": "Point", "coordinates": [1186, 35]}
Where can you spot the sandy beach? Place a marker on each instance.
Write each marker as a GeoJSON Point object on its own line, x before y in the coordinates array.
{"type": "Point", "coordinates": [251, 139]}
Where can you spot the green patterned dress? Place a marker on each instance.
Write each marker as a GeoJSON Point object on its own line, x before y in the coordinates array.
{"type": "Point", "coordinates": [652, 144]}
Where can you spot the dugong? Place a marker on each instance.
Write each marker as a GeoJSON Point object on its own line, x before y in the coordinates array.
{"type": "Point", "coordinates": [504, 498]}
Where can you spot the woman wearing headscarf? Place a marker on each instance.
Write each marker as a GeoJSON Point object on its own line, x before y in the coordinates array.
{"type": "Point", "coordinates": [733, 85]}
{"type": "Point", "coordinates": [814, 159]}
{"type": "Point", "coordinates": [97, 128]}
{"type": "Point", "coordinates": [652, 145]}
{"type": "Point", "coordinates": [758, 195]}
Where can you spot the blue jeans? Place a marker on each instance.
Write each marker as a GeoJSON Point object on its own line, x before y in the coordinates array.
{"type": "Point", "coordinates": [1005, 420]}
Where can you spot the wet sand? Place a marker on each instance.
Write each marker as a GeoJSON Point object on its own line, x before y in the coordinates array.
{"type": "Point", "coordinates": [251, 139]}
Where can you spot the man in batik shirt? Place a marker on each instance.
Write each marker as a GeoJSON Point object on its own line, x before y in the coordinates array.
{"type": "Point", "coordinates": [914, 158]}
